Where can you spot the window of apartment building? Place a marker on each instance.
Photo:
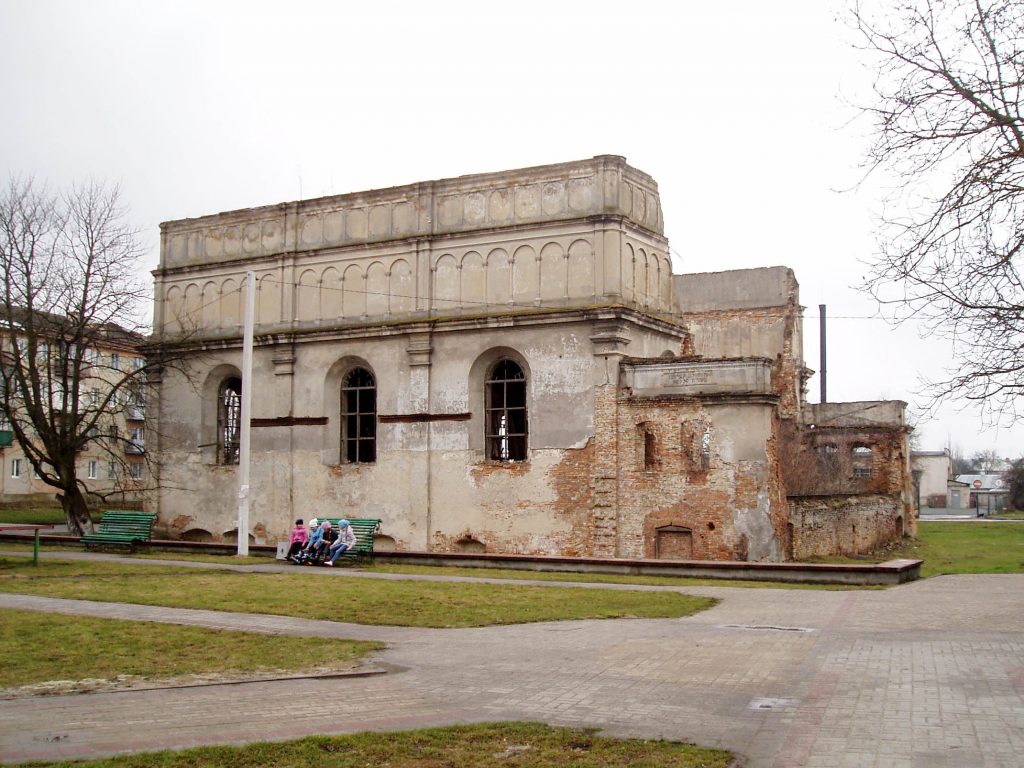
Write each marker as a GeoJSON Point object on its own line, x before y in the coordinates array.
{"type": "Point", "coordinates": [505, 426]}
{"type": "Point", "coordinates": [359, 417]}
{"type": "Point", "coordinates": [115, 361]}
{"type": "Point", "coordinates": [229, 421]}
{"type": "Point", "coordinates": [93, 470]}
{"type": "Point", "coordinates": [135, 403]}
{"type": "Point", "coordinates": [135, 470]}
{"type": "Point", "coordinates": [15, 468]}
{"type": "Point", "coordinates": [94, 397]}
{"type": "Point", "coordinates": [111, 470]}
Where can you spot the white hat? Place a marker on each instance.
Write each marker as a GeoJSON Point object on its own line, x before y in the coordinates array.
{"type": "Point", "coordinates": [313, 523]}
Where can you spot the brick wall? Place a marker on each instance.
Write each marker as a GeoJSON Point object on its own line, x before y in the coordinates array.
{"type": "Point", "coordinates": [844, 525]}
{"type": "Point", "coordinates": [681, 489]}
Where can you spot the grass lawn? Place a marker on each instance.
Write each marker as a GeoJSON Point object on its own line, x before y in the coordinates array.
{"type": "Point", "coordinates": [950, 547]}
{"type": "Point", "coordinates": [39, 515]}
{"type": "Point", "coordinates": [510, 745]}
{"type": "Point", "coordinates": [1010, 514]}
{"type": "Point", "coordinates": [320, 595]}
{"type": "Point", "coordinates": [37, 647]}
{"type": "Point", "coordinates": [967, 547]}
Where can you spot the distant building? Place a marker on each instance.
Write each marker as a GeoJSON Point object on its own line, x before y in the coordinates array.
{"type": "Point", "coordinates": [505, 362]}
{"type": "Point", "coordinates": [985, 493]}
{"type": "Point", "coordinates": [113, 463]}
{"type": "Point", "coordinates": [932, 472]}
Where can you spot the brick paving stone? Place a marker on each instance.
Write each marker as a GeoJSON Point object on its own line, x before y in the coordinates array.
{"type": "Point", "coordinates": [926, 674]}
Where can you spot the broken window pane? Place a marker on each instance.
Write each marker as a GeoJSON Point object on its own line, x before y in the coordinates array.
{"type": "Point", "coordinates": [229, 421]}
{"type": "Point", "coordinates": [359, 417]}
{"type": "Point", "coordinates": [505, 423]}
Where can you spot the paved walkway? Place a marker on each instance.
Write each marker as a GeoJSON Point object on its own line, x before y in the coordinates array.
{"type": "Point", "coordinates": [926, 674]}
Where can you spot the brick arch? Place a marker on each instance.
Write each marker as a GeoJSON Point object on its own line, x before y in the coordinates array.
{"type": "Point", "coordinates": [376, 289]}
{"type": "Point", "coordinates": [693, 514]}
{"type": "Point", "coordinates": [401, 287]}
{"type": "Point", "coordinates": [553, 273]}
{"type": "Point", "coordinates": [446, 284]}
{"type": "Point", "coordinates": [499, 277]}
{"type": "Point", "coordinates": [307, 298]}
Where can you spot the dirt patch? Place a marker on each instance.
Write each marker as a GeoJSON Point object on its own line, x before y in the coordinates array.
{"type": "Point", "coordinates": [139, 683]}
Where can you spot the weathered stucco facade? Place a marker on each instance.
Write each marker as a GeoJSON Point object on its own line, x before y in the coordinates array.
{"type": "Point", "coordinates": [533, 377]}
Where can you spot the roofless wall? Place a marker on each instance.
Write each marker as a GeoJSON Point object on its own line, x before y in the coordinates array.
{"type": "Point", "coordinates": [571, 234]}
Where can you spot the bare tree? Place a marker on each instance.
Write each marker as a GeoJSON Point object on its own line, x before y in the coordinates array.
{"type": "Point", "coordinates": [1014, 479]}
{"type": "Point", "coordinates": [961, 465]}
{"type": "Point", "coordinates": [986, 461]}
{"type": "Point", "coordinates": [949, 139]}
{"type": "Point", "coordinates": [70, 288]}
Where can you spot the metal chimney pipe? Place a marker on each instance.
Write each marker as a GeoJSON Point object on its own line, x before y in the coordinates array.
{"type": "Point", "coordinates": [821, 345]}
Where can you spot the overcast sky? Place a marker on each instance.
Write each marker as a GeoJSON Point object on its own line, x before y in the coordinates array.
{"type": "Point", "coordinates": [739, 110]}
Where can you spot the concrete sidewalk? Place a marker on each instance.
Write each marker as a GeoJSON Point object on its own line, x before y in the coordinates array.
{"type": "Point", "coordinates": [927, 674]}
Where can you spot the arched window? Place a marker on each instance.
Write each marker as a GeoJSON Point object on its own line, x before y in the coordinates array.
{"type": "Point", "coordinates": [505, 428]}
{"type": "Point", "coordinates": [862, 461]}
{"type": "Point", "coordinates": [229, 420]}
{"type": "Point", "coordinates": [359, 417]}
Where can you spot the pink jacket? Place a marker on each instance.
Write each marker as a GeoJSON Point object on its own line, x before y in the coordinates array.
{"type": "Point", "coordinates": [299, 534]}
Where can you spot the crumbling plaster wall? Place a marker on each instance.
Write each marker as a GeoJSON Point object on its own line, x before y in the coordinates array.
{"type": "Point", "coordinates": [695, 443]}
{"type": "Point", "coordinates": [730, 501]}
{"type": "Point", "coordinates": [565, 269]}
{"type": "Point", "coordinates": [748, 313]}
{"type": "Point", "coordinates": [431, 483]}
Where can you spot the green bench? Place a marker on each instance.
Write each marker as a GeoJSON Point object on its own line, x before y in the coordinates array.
{"type": "Point", "coordinates": [121, 529]}
{"type": "Point", "coordinates": [364, 529]}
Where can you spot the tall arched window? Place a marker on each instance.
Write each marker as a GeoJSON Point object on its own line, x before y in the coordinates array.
{"type": "Point", "coordinates": [359, 417]}
{"type": "Point", "coordinates": [229, 420]}
{"type": "Point", "coordinates": [506, 425]}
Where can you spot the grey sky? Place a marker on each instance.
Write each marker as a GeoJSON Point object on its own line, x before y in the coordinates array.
{"type": "Point", "coordinates": [736, 109]}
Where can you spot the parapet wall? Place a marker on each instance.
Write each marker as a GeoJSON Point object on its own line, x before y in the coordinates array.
{"type": "Point", "coordinates": [568, 235]}
{"type": "Point", "coordinates": [734, 289]}
{"type": "Point", "coordinates": [603, 185]}
{"type": "Point", "coordinates": [864, 413]}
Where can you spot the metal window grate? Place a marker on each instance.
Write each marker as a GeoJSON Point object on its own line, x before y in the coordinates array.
{"type": "Point", "coordinates": [229, 420]}
{"type": "Point", "coordinates": [359, 417]}
{"type": "Point", "coordinates": [506, 426]}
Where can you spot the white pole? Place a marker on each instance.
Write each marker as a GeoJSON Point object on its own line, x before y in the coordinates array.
{"type": "Point", "coordinates": [246, 416]}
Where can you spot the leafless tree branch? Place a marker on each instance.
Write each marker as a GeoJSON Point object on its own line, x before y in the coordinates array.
{"type": "Point", "coordinates": [948, 130]}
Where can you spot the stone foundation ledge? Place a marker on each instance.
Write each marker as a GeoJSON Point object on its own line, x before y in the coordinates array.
{"type": "Point", "coordinates": [869, 574]}
{"type": "Point", "coordinates": [873, 574]}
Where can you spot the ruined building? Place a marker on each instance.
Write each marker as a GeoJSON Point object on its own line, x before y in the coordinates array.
{"type": "Point", "coordinates": [505, 362]}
